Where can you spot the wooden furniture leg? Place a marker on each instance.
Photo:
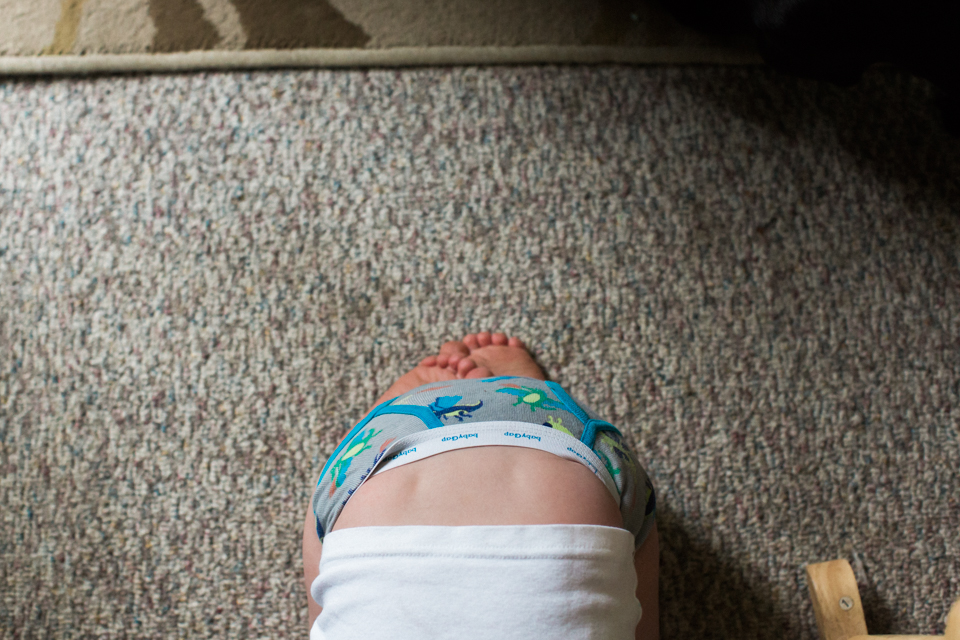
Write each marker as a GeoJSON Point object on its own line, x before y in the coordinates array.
{"type": "Point", "coordinates": [953, 622]}
{"type": "Point", "coordinates": [836, 600]}
{"type": "Point", "coordinates": [836, 604]}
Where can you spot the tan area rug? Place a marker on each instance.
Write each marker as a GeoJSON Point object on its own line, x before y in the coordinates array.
{"type": "Point", "coordinates": [82, 36]}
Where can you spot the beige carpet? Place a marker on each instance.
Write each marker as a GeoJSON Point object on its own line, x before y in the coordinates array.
{"type": "Point", "coordinates": [71, 36]}
{"type": "Point", "coordinates": [205, 279]}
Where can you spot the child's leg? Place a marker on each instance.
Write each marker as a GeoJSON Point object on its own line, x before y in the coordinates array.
{"type": "Point", "coordinates": [646, 561]}
{"type": "Point", "coordinates": [312, 548]}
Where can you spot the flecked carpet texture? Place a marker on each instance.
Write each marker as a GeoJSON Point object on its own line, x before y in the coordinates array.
{"type": "Point", "coordinates": [206, 279]}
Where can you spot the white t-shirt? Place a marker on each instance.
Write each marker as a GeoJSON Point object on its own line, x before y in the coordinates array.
{"type": "Point", "coordinates": [476, 583]}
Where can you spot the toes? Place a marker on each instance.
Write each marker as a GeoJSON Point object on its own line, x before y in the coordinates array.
{"type": "Point", "coordinates": [479, 372]}
{"type": "Point", "coordinates": [454, 361]}
{"type": "Point", "coordinates": [443, 361]}
{"type": "Point", "coordinates": [516, 342]}
{"type": "Point", "coordinates": [466, 366]}
{"type": "Point", "coordinates": [429, 361]}
{"type": "Point", "coordinates": [474, 341]}
{"type": "Point", "coordinates": [454, 348]}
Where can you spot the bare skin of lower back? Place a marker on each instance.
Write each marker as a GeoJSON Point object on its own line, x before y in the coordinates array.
{"type": "Point", "coordinates": [483, 486]}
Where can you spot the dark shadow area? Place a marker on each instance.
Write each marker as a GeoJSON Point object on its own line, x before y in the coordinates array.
{"type": "Point", "coordinates": [703, 595]}
{"type": "Point", "coordinates": [889, 120]}
{"type": "Point", "coordinates": [614, 21]}
{"type": "Point", "coordinates": [290, 24]}
{"type": "Point", "coordinates": [838, 41]}
{"type": "Point", "coordinates": [181, 26]}
{"type": "Point", "coordinates": [878, 615]}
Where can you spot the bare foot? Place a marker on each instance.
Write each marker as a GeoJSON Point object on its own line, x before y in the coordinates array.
{"type": "Point", "coordinates": [478, 355]}
{"type": "Point", "coordinates": [501, 355]}
{"type": "Point", "coordinates": [455, 357]}
{"type": "Point", "coordinates": [426, 372]}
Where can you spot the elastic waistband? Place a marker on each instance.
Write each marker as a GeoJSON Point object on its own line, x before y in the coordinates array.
{"type": "Point", "coordinates": [480, 434]}
{"type": "Point", "coordinates": [568, 541]}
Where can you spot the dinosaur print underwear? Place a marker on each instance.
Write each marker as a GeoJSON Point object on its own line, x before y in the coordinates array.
{"type": "Point", "coordinates": [507, 410]}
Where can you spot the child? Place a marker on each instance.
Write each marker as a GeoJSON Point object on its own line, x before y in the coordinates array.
{"type": "Point", "coordinates": [477, 500]}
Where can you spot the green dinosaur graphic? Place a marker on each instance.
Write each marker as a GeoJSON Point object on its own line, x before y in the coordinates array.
{"type": "Point", "coordinates": [557, 423]}
{"type": "Point", "coordinates": [616, 446]}
{"type": "Point", "coordinates": [338, 472]}
{"type": "Point", "coordinates": [533, 398]}
{"type": "Point", "coordinates": [609, 466]}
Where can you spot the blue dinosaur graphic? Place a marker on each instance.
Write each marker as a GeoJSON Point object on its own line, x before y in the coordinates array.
{"type": "Point", "coordinates": [447, 407]}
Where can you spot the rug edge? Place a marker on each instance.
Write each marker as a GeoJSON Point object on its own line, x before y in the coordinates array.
{"type": "Point", "coordinates": [392, 57]}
